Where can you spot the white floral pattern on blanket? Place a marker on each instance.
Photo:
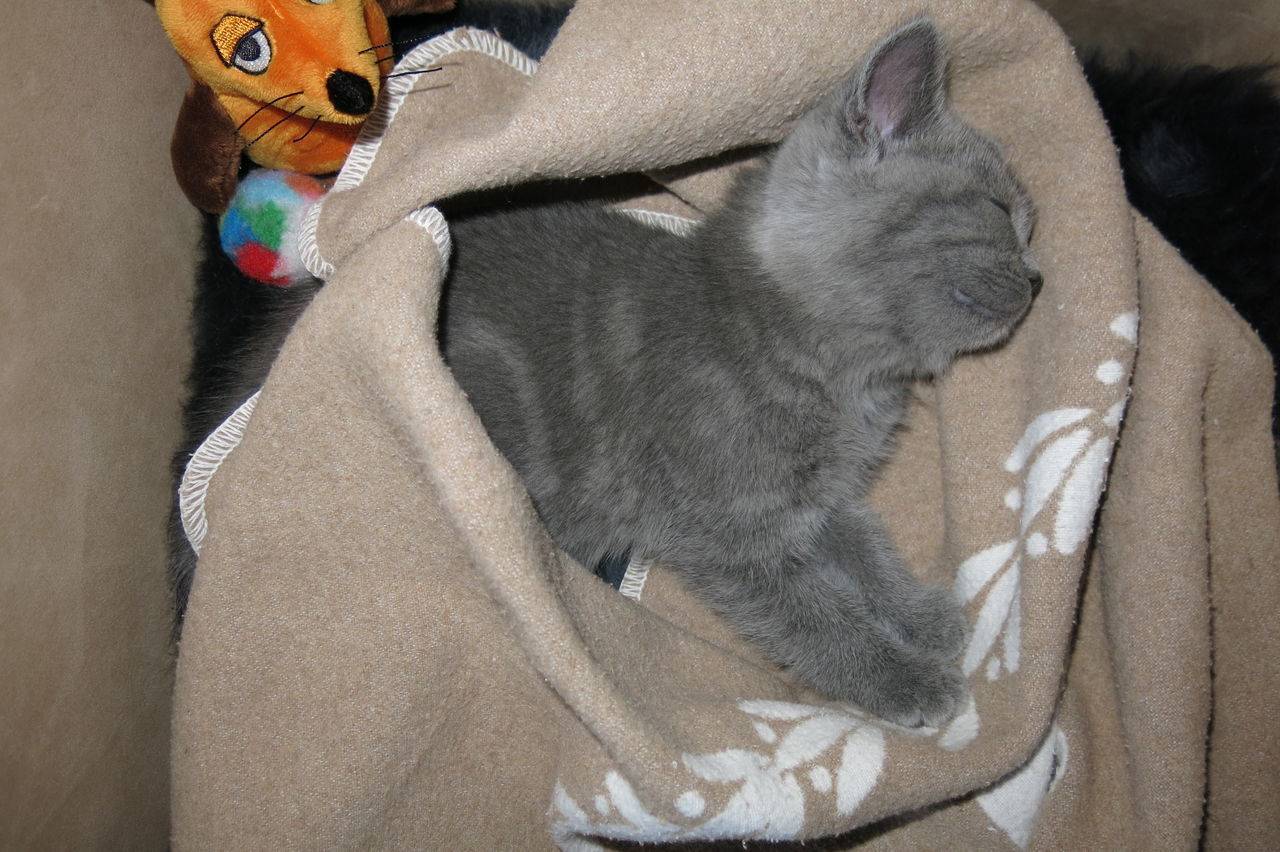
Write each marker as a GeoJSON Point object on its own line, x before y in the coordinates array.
{"type": "Point", "coordinates": [772, 782]}
{"type": "Point", "coordinates": [1063, 453]}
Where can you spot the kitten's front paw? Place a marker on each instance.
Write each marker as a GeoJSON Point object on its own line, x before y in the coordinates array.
{"type": "Point", "coordinates": [926, 619]}
{"type": "Point", "coordinates": [895, 682]}
{"type": "Point", "coordinates": [924, 694]}
{"type": "Point", "coordinates": [936, 625]}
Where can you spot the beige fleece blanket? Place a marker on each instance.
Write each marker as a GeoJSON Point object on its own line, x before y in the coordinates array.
{"type": "Point", "coordinates": [384, 650]}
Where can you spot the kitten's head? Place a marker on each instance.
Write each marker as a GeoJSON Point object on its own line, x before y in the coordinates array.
{"type": "Point", "coordinates": [885, 211]}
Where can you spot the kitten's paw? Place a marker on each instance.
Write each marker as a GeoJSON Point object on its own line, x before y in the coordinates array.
{"type": "Point", "coordinates": [925, 619]}
{"type": "Point", "coordinates": [925, 694]}
{"type": "Point", "coordinates": [935, 625]}
{"type": "Point", "coordinates": [896, 683]}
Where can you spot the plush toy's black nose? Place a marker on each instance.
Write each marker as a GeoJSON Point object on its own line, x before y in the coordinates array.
{"type": "Point", "coordinates": [349, 93]}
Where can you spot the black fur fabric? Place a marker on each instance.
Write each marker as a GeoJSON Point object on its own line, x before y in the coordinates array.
{"type": "Point", "coordinates": [1200, 150]}
{"type": "Point", "coordinates": [530, 27]}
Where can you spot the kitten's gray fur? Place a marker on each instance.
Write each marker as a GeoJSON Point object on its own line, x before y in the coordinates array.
{"type": "Point", "coordinates": [720, 403]}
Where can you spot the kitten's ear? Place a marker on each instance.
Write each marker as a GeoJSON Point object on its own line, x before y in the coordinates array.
{"type": "Point", "coordinates": [900, 88]}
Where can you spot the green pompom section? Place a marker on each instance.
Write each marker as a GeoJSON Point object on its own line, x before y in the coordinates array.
{"type": "Point", "coordinates": [267, 221]}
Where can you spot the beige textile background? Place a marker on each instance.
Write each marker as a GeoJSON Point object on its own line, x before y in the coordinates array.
{"type": "Point", "coordinates": [95, 271]}
{"type": "Point", "coordinates": [95, 255]}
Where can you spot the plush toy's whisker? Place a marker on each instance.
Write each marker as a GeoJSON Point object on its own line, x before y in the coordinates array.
{"type": "Point", "coordinates": [411, 41]}
{"type": "Point", "coordinates": [258, 138]}
{"type": "Point", "coordinates": [254, 114]}
{"type": "Point", "coordinates": [314, 122]}
{"type": "Point", "coordinates": [411, 73]}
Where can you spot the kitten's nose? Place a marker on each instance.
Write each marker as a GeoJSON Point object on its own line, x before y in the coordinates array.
{"type": "Point", "coordinates": [1037, 281]}
{"type": "Point", "coordinates": [349, 93]}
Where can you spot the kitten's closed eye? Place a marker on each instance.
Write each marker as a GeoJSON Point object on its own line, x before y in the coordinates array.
{"type": "Point", "coordinates": [1001, 206]}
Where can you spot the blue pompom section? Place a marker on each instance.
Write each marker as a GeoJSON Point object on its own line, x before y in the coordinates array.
{"type": "Point", "coordinates": [234, 231]}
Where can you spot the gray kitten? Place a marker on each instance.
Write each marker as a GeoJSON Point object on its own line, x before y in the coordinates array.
{"type": "Point", "coordinates": [719, 403]}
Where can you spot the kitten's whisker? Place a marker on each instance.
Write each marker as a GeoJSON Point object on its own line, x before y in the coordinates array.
{"type": "Point", "coordinates": [258, 138]}
{"type": "Point", "coordinates": [254, 114]}
{"type": "Point", "coordinates": [421, 89]}
{"type": "Point", "coordinates": [314, 122]}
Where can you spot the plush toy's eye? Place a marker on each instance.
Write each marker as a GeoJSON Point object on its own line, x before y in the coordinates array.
{"type": "Point", "coordinates": [242, 42]}
{"type": "Point", "coordinates": [253, 53]}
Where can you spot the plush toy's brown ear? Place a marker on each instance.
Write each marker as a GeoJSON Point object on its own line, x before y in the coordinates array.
{"type": "Point", "coordinates": [413, 7]}
{"type": "Point", "coordinates": [206, 150]}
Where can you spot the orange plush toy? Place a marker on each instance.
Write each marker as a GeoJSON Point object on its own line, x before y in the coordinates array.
{"type": "Point", "coordinates": [286, 82]}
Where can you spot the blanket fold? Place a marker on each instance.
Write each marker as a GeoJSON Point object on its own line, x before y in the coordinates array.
{"type": "Point", "coordinates": [384, 649]}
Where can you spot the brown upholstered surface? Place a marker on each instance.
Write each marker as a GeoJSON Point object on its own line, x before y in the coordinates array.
{"type": "Point", "coordinates": [95, 257]}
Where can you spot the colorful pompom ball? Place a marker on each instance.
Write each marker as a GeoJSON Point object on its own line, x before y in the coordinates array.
{"type": "Point", "coordinates": [259, 231]}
